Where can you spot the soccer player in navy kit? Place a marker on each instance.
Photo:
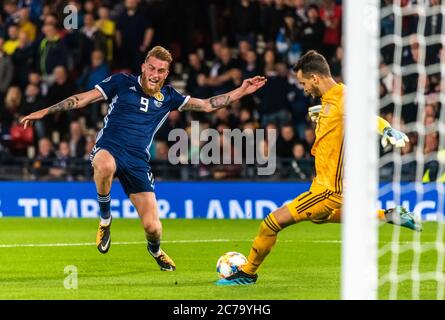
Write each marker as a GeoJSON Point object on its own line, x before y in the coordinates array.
{"type": "Point", "coordinates": [138, 106]}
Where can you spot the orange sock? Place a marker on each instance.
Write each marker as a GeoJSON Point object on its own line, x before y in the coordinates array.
{"type": "Point", "coordinates": [381, 214]}
{"type": "Point", "coordinates": [263, 243]}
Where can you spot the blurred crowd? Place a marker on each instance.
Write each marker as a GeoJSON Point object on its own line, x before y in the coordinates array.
{"type": "Point", "coordinates": [47, 53]}
{"type": "Point", "coordinates": [410, 95]}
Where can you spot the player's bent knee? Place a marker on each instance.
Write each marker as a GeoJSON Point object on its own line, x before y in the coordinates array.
{"type": "Point", "coordinates": [104, 168]}
{"type": "Point", "coordinates": [104, 163]}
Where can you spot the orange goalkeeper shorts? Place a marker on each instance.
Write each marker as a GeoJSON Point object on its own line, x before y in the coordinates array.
{"type": "Point", "coordinates": [318, 205]}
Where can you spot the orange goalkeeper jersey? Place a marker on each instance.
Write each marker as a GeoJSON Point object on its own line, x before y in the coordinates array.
{"type": "Point", "coordinates": [328, 148]}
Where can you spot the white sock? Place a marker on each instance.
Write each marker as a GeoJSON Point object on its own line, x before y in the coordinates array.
{"type": "Point", "coordinates": [157, 254]}
{"type": "Point", "coordinates": [105, 222]}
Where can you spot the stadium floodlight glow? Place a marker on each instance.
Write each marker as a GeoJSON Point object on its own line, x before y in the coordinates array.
{"type": "Point", "coordinates": [359, 228]}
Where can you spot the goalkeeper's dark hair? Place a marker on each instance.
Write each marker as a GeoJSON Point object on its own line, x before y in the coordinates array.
{"type": "Point", "coordinates": [313, 63]}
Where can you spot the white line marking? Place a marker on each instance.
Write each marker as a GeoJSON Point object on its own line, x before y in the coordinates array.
{"type": "Point", "coordinates": [21, 245]}
{"type": "Point", "coordinates": [36, 245]}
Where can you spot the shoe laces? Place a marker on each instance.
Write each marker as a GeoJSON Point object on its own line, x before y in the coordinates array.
{"type": "Point", "coordinates": [101, 232]}
{"type": "Point", "coordinates": [164, 258]}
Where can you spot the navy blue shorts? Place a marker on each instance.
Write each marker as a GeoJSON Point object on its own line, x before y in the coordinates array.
{"type": "Point", "coordinates": [132, 169]}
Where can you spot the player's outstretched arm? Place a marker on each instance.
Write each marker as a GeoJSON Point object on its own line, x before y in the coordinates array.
{"type": "Point", "coordinates": [76, 101]}
{"type": "Point", "coordinates": [391, 136]}
{"type": "Point", "coordinates": [248, 86]}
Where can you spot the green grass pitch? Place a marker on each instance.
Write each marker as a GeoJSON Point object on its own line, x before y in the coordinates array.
{"type": "Point", "coordinates": [304, 264]}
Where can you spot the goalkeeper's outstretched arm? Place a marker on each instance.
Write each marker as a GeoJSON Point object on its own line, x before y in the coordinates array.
{"type": "Point", "coordinates": [390, 136]}
{"type": "Point", "coordinates": [76, 101]}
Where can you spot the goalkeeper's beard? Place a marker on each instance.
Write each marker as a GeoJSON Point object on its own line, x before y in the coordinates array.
{"type": "Point", "coordinates": [148, 91]}
{"type": "Point", "coordinates": [315, 92]}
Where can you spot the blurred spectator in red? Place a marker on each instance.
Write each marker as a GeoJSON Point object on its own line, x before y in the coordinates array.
{"type": "Point", "coordinates": [20, 138]}
{"type": "Point", "coordinates": [330, 14]}
{"type": "Point", "coordinates": [13, 104]}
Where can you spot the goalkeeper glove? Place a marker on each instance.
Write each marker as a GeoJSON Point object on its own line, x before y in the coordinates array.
{"type": "Point", "coordinates": [393, 137]}
{"type": "Point", "coordinates": [314, 111]}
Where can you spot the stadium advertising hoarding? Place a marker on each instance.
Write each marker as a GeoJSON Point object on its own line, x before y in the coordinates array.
{"type": "Point", "coordinates": [207, 200]}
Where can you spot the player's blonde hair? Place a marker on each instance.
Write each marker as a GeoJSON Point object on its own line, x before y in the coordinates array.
{"type": "Point", "coordinates": [160, 53]}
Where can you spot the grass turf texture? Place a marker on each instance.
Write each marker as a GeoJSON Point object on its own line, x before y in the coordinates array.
{"type": "Point", "coordinates": [305, 263]}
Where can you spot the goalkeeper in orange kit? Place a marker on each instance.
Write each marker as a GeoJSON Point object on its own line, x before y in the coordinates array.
{"type": "Point", "coordinates": [323, 202]}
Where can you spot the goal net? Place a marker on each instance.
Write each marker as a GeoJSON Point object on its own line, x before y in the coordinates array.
{"type": "Point", "coordinates": [396, 69]}
{"type": "Point", "coordinates": [411, 264]}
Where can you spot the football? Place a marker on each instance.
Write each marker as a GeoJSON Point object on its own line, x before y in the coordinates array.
{"type": "Point", "coordinates": [229, 262]}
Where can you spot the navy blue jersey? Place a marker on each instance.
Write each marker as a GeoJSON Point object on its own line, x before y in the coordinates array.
{"type": "Point", "coordinates": [134, 117]}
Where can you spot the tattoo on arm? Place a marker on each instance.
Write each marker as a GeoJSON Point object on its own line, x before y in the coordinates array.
{"type": "Point", "coordinates": [220, 101]}
{"type": "Point", "coordinates": [216, 103]}
{"type": "Point", "coordinates": [193, 107]}
{"type": "Point", "coordinates": [65, 105]}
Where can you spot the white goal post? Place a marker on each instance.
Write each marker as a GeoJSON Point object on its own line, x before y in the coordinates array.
{"type": "Point", "coordinates": [359, 219]}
